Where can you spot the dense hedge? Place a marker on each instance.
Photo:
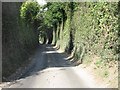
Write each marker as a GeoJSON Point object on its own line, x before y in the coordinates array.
{"type": "Point", "coordinates": [97, 29]}
{"type": "Point", "coordinates": [93, 30]}
{"type": "Point", "coordinates": [18, 39]}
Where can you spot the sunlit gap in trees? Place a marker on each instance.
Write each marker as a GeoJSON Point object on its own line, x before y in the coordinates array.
{"type": "Point", "coordinates": [42, 2]}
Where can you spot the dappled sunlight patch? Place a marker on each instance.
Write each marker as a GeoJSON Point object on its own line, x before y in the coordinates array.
{"type": "Point", "coordinates": [47, 52]}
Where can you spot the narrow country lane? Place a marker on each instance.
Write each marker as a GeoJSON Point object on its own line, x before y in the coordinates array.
{"type": "Point", "coordinates": [56, 44]}
{"type": "Point", "coordinates": [52, 70]}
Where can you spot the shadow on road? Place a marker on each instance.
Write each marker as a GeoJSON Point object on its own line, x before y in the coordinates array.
{"type": "Point", "coordinates": [47, 57]}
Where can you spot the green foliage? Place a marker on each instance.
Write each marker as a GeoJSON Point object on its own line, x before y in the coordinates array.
{"type": "Point", "coordinates": [29, 11]}
{"type": "Point", "coordinates": [106, 74]}
{"type": "Point", "coordinates": [98, 30]}
{"type": "Point", "coordinates": [99, 63]}
{"type": "Point", "coordinates": [54, 13]}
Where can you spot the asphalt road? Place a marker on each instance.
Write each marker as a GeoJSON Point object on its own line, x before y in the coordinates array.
{"type": "Point", "coordinates": [52, 70]}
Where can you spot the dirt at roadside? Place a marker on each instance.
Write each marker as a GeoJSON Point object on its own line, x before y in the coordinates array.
{"type": "Point", "coordinates": [108, 82]}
